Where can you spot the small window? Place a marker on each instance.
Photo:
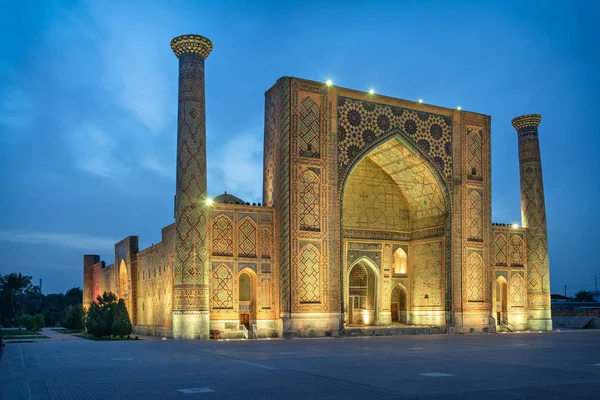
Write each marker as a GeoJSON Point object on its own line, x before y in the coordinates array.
{"type": "Point", "coordinates": [400, 262]}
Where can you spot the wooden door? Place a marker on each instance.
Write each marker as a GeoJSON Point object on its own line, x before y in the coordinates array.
{"type": "Point", "coordinates": [245, 320]}
{"type": "Point", "coordinates": [395, 312]}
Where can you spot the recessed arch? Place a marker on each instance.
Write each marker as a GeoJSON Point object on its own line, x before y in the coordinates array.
{"type": "Point", "coordinates": [425, 215]}
{"type": "Point", "coordinates": [124, 285]}
{"type": "Point", "coordinates": [363, 292]}
{"type": "Point", "coordinates": [501, 299]}
{"type": "Point", "coordinates": [246, 296]}
{"type": "Point", "coordinates": [399, 304]}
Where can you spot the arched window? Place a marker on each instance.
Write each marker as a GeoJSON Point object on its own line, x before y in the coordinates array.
{"type": "Point", "coordinates": [400, 261]}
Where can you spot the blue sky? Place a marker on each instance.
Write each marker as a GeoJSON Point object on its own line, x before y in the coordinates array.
{"type": "Point", "coordinates": [88, 108]}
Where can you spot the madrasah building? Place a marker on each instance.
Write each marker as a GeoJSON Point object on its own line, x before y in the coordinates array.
{"type": "Point", "coordinates": [376, 213]}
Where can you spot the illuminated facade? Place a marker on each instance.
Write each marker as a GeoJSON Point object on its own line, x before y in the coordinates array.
{"type": "Point", "coordinates": [376, 212]}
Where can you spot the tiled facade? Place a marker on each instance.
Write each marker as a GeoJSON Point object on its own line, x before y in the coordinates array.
{"type": "Point", "coordinates": [376, 211]}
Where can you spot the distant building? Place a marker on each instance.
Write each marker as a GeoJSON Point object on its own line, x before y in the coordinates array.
{"type": "Point", "coordinates": [376, 211]}
{"type": "Point", "coordinates": [559, 298]}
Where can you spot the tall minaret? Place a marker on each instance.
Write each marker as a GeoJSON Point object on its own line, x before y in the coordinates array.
{"type": "Point", "coordinates": [533, 212]}
{"type": "Point", "coordinates": [191, 312]}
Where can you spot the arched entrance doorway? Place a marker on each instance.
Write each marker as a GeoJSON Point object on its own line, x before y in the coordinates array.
{"type": "Point", "coordinates": [399, 304]}
{"type": "Point", "coordinates": [394, 198]}
{"type": "Point", "coordinates": [362, 291]}
{"type": "Point", "coordinates": [501, 300]}
{"type": "Point", "coordinates": [246, 298]}
{"type": "Point", "coordinates": [124, 286]}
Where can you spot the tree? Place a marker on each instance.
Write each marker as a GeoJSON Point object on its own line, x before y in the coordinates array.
{"type": "Point", "coordinates": [584, 295]}
{"type": "Point", "coordinates": [121, 325]}
{"type": "Point", "coordinates": [13, 290]}
{"type": "Point", "coordinates": [74, 318]}
{"type": "Point", "coordinates": [32, 322]}
{"type": "Point", "coordinates": [73, 296]}
{"type": "Point", "coordinates": [101, 315]}
{"type": "Point", "coordinates": [94, 322]}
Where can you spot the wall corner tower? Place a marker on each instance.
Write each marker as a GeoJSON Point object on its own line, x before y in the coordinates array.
{"type": "Point", "coordinates": [533, 213]}
{"type": "Point", "coordinates": [191, 309]}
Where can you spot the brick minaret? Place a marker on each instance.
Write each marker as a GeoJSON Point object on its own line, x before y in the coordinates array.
{"type": "Point", "coordinates": [191, 318]}
{"type": "Point", "coordinates": [533, 212]}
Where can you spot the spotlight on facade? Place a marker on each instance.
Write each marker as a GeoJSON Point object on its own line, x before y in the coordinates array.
{"type": "Point", "coordinates": [420, 100]}
{"type": "Point", "coordinates": [459, 108]}
{"type": "Point", "coordinates": [515, 226]}
{"type": "Point", "coordinates": [209, 201]}
{"type": "Point", "coordinates": [329, 82]}
{"type": "Point", "coordinates": [371, 91]}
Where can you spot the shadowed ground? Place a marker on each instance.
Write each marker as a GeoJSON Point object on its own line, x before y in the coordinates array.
{"type": "Point", "coordinates": [557, 365]}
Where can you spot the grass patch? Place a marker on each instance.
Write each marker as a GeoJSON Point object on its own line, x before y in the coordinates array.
{"type": "Point", "coordinates": [15, 339]}
{"type": "Point", "coordinates": [19, 332]}
{"type": "Point", "coordinates": [65, 331]}
{"type": "Point", "coordinates": [20, 341]}
{"type": "Point", "coordinates": [104, 338]}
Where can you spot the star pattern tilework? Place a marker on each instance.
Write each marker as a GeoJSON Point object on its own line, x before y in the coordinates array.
{"type": "Point", "coordinates": [361, 123]}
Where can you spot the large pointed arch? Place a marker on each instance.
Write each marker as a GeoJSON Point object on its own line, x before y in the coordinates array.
{"type": "Point", "coordinates": [441, 187]}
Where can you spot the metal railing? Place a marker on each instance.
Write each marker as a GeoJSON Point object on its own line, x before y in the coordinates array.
{"type": "Point", "coordinates": [504, 322]}
{"type": "Point", "coordinates": [244, 330]}
{"type": "Point", "coordinates": [255, 331]}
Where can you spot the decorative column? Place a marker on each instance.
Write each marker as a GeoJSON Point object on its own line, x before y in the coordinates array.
{"type": "Point", "coordinates": [191, 312]}
{"type": "Point", "coordinates": [533, 213]}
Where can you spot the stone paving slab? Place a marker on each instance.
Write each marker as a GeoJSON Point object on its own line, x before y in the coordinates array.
{"type": "Point", "coordinates": [512, 366]}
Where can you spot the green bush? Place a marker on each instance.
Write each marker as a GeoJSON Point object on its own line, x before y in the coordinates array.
{"type": "Point", "coordinates": [101, 316]}
{"type": "Point", "coordinates": [32, 322]}
{"type": "Point", "coordinates": [39, 321]}
{"type": "Point", "coordinates": [95, 323]}
{"type": "Point", "coordinates": [74, 318]}
{"type": "Point", "coordinates": [121, 325]}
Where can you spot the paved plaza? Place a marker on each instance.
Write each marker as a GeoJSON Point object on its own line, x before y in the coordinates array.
{"type": "Point", "coordinates": [559, 365]}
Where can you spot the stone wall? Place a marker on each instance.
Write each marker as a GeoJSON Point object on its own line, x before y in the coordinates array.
{"type": "Point", "coordinates": [155, 286]}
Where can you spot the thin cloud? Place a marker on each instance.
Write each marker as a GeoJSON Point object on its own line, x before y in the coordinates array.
{"type": "Point", "coordinates": [158, 166]}
{"type": "Point", "coordinates": [79, 241]}
{"type": "Point", "coordinates": [239, 163]}
{"type": "Point", "coordinates": [15, 107]}
{"type": "Point", "coordinates": [93, 151]}
{"type": "Point", "coordinates": [136, 70]}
